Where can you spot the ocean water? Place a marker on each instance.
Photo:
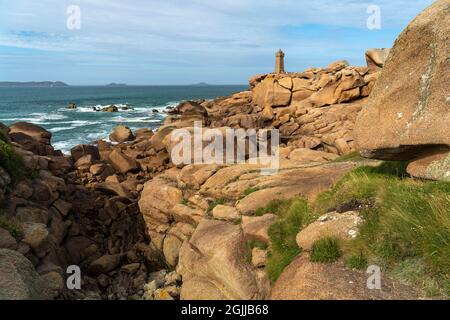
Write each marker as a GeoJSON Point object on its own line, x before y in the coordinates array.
{"type": "Point", "coordinates": [46, 107]}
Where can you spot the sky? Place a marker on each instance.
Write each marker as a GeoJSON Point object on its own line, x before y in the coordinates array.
{"type": "Point", "coordinates": [163, 42]}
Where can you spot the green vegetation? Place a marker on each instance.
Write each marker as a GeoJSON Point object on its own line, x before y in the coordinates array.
{"type": "Point", "coordinates": [274, 207]}
{"type": "Point", "coordinates": [407, 220]}
{"type": "Point", "coordinates": [11, 225]}
{"type": "Point", "coordinates": [10, 161]}
{"type": "Point", "coordinates": [215, 203]}
{"type": "Point", "coordinates": [3, 137]}
{"type": "Point", "coordinates": [35, 174]}
{"type": "Point", "coordinates": [406, 229]}
{"type": "Point", "coordinates": [357, 261]}
{"type": "Point", "coordinates": [185, 201]}
{"type": "Point", "coordinates": [293, 215]}
{"type": "Point", "coordinates": [326, 250]}
{"type": "Point", "coordinates": [249, 191]}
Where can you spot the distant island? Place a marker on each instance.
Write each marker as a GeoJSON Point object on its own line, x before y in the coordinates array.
{"type": "Point", "coordinates": [201, 84]}
{"type": "Point", "coordinates": [116, 85]}
{"type": "Point", "coordinates": [37, 84]}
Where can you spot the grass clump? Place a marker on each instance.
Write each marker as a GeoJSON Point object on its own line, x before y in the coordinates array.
{"type": "Point", "coordinates": [12, 226]}
{"type": "Point", "coordinates": [274, 207]}
{"type": "Point", "coordinates": [10, 161]}
{"type": "Point", "coordinates": [357, 261]}
{"type": "Point", "coordinates": [326, 250]}
{"type": "Point", "coordinates": [215, 203]}
{"type": "Point", "coordinates": [248, 192]}
{"type": "Point", "coordinates": [293, 215]}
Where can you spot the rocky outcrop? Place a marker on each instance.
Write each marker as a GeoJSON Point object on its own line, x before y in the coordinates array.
{"type": "Point", "coordinates": [407, 115]}
{"type": "Point", "coordinates": [124, 213]}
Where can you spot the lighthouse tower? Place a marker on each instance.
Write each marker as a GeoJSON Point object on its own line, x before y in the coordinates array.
{"type": "Point", "coordinates": [279, 64]}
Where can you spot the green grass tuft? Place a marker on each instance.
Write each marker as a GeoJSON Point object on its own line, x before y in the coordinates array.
{"type": "Point", "coordinates": [326, 250]}
{"type": "Point", "coordinates": [215, 203]}
{"type": "Point", "coordinates": [10, 161]}
{"type": "Point", "coordinates": [357, 261]}
{"type": "Point", "coordinates": [293, 215]}
{"type": "Point", "coordinates": [12, 226]}
{"type": "Point", "coordinates": [248, 192]}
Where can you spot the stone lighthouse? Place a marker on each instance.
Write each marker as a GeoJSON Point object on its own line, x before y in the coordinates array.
{"type": "Point", "coordinates": [279, 65]}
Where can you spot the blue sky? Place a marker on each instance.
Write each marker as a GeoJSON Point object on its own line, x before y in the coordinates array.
{"type": "Point", "coordinates": [185, 42]}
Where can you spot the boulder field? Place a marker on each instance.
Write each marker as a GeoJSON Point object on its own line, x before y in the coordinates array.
{"type": "Point", "coordinates": [140, 227]}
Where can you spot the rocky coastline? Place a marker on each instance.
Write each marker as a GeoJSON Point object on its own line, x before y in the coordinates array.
{"type": "Point", "coordinates": [140, 227]}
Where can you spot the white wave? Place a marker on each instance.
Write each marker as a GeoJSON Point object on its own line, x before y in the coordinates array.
{"type": "Point", "coordinates": [134, 120]}
{"type": "Point", "coordinates": [48, 116]}
{"type": "Point", "coordinates": [58, 129]}
{"type": "Point", "coordinates": [66, 145]}
{"type": "Point", "coordinates": [38, 118]}
{"type": "Point", "coordinates": [99, 107]}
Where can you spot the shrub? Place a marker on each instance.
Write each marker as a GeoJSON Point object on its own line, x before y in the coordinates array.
{"type": "Point", "coordinates": [326, 250]}
{"type": "Point", "coordinates": [357, 261]}
{"type": "Point", "coordinates": [10, 161]}
{"type": "Point", "coordinates": [12, 226]}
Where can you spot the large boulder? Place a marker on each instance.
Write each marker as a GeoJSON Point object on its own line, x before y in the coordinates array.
{"type": "Point", "coordinates": [121, 134]}
{"type": "Point", "coordinates": [408, 116]}
{"type": "Point", "coordinates": [337, 225]}
{"type": "Point", "coordinates": [270, 93]}
{"type": "Point", "coordinates": [19, 280]}
{"type": "Point", "coordinates": [82, 150]}
{"type": "Point", "coordinates": [32, 138]}
{"type": "Point", "coordinates": [213, 265]}
{"type": "Point", "coordinates": [190, 108]}
{"type": "Point", "coordinates": [121, 162]}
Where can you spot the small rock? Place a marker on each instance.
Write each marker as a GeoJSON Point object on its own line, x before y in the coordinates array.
{"type": "Point", "coordinates": [7, 241]}
{"type": "Point", "coordinates": [222, 212]}
{"type": "Point", "coordinates": [72, 105]}
{"type": "Point", "coordinates": [131, 268]}
{"type": "Point", "coordinates": [36, 236]}
{"type": "Point", "coordinates": [259, 257]}
{"type": "Point", "coordinates": [104, 264]}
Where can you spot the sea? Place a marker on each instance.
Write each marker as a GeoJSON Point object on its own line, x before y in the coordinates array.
{"type": "Point", "coordinates": [47, 107]}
